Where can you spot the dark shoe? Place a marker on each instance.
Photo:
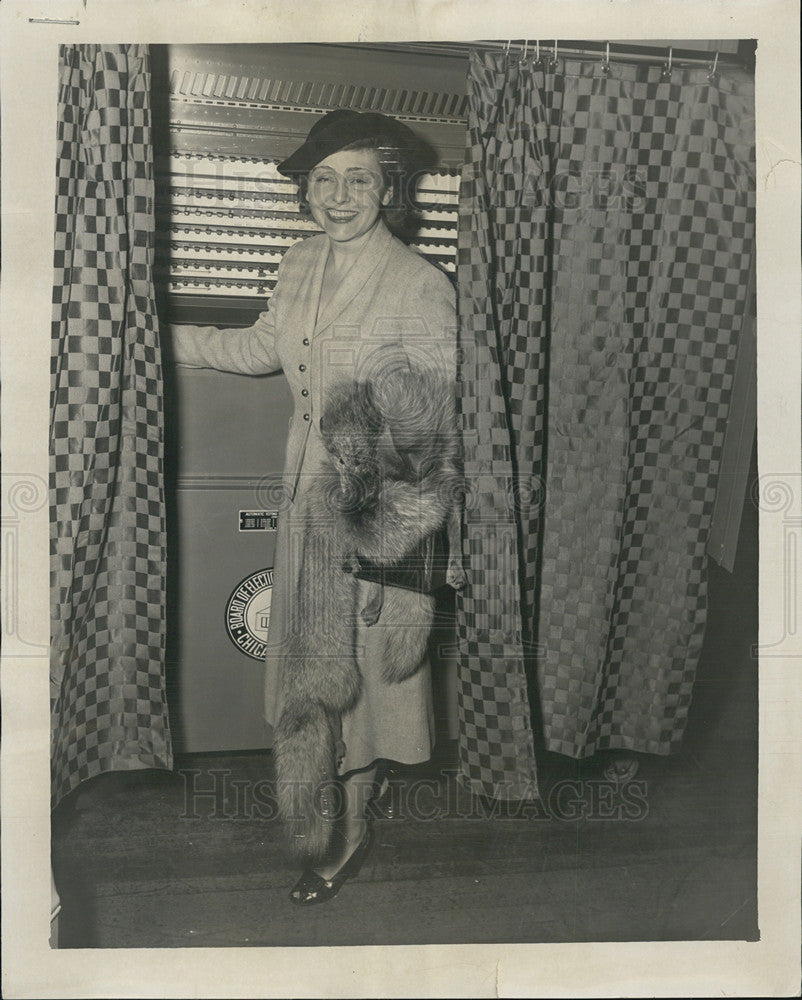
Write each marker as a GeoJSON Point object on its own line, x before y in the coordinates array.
{"type": "Point", "coordinates": [312, 888]}
{"type": "Point", "coordinates": [620, 767]}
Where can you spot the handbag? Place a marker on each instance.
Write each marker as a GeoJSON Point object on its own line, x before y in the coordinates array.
{"type": "Point", "coordinates": [423, 569]}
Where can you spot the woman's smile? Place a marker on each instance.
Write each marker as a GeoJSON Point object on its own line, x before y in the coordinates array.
{"type": "Point", "coordinates": [340, 216]}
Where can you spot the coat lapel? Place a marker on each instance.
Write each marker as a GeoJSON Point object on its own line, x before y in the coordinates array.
{"type": "Point", "coordinates": [370, 258]}
{"type": "Point", "coordinates": [308, 302]}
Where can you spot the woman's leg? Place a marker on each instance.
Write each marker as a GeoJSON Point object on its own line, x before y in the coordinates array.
{"type": "Point", "coordinates": [357, 790]}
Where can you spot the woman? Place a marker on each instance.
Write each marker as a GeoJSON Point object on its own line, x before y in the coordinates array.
{"type": "Point", "coordinates": [349, 303]}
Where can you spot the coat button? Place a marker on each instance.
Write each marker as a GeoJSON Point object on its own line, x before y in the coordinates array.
{"type": "Point", "coordinates": [304, 392]}
{"type": "Point", "coordinates": [306, 341]}
{"type": "Point", "coordinates": [306, 416]}
{"type": "Point", "coordinates": [301, 368]}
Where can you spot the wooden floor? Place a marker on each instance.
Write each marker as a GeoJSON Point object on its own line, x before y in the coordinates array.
{"type": "Point", "coordinates": [139, 863]}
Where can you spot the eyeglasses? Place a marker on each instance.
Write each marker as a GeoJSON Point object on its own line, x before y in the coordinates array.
{"type": "Point", "coordinates": [355, 179]}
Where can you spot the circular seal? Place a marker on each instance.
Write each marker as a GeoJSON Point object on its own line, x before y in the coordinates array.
{"type": "Point", "coordinates": [248, 613]}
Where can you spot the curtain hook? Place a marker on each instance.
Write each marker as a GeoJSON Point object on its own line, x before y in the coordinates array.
{"type": "Point", "coordinates": [666, 74]}
{"type": "Point", "coordinates": [526, 49]}
{"type": "Point", "coordinates": [537, 50]}
{"type": "Point", "coordinates": [712, 74]}
{"type": "Point", "coordinates": [606, 64]}
{"type": "Point", "coordinates": [507, 47]}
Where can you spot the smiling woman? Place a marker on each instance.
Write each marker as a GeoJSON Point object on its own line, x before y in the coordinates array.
{"type": "Point", "coordinates": [351, 305]}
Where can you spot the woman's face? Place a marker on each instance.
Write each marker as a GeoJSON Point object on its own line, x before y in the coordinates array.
{"type": "Point", "coordinates": [346, 192]}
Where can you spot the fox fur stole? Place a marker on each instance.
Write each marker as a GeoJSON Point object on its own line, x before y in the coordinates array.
{"type": "Point", "coordinates": [390, 479]}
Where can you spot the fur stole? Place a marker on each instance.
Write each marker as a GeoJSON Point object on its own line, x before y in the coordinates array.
{"type": "Point", "coordinates": [391, 478]}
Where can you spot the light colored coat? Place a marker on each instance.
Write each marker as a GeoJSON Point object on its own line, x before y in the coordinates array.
{"type": "Point", "coordinates": [392, 308]}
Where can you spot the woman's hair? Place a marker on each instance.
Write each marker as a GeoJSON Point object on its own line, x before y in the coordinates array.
{"type": "Point", "coordinates": [401, 214]}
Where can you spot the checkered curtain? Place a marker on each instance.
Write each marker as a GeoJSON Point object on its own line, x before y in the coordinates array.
{"type": "Point", "coordinates": [606, 233]}
{"type": "Point", "coordinates": [106, 436]}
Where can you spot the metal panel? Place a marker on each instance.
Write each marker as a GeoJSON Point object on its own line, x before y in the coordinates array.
{"type": "Point", "coordinates": [217, 689]}
{"type": "Point", "coordinates": [226, 434]}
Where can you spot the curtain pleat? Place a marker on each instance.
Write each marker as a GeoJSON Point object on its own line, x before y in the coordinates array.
{"type": "Point", "coordinates": [606, 233]}
{"type": "Point", "coordinates": [106, 434]}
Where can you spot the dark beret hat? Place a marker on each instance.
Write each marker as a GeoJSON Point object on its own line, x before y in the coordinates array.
{"type": "Point", "coordinates": [338, 129]}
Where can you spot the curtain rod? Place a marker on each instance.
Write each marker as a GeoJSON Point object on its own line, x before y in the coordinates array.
{"type": "Point", "coordinates": [621, 53]}
{"type": "Point", "coordinates": [618, 51]}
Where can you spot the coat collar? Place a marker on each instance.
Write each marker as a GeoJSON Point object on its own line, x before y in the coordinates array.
{"type": "Point", "coordinates": [371, 257]}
